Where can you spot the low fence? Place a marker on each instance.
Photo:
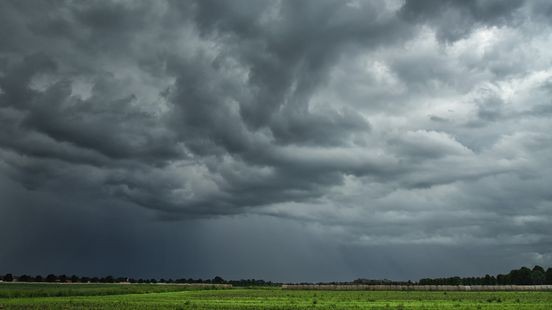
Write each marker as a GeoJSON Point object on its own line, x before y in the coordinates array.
{"type": "Point", "coordinates": [360, 287]}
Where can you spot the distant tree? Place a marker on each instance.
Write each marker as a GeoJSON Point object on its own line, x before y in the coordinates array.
{"type": "Point", "coordinates": [24, 278]}
{"type": "Point", "coordinates": [8, 277]}
{"type": "Point", "coordinates": [424, 281]}
{"type": "Point", "coordinates": [108, 279]}
{"type": "Point", "coordinates": [521, 276]}
{"type": "Point", "coordinates": [74, 279]}
{"type": "Point", "coordinates": [218, 280]}
{"type": "Point", "coordinates": [538, 275]}
{"type": "Point", "coordinates": [503, 279]}
{"type": "Point", "coordinates": [489, 280]}
{"type": "Point", "coordinates": [548, 276]}
{"type": "Point", "coordinates": [38, 278]}
{"type": "Point", "coordinates": [51, 278]}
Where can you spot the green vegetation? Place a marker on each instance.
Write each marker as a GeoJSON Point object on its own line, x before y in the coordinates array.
{"type": "Point", "coordinates": [84, 296]}
{"type": "Point", "coordinates": [22, 290]}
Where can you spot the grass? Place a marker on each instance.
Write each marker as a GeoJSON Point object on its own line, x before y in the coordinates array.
{"type": "Point", "coordinates": [18, 290]}
{"type": "Point", "coordinates": [93, 296]}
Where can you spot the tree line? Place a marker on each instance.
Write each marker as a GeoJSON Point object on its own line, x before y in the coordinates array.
{"type": "Point", "coordinates": [52, 278]}
{"type": "Point", "coordinates": [522, 276]}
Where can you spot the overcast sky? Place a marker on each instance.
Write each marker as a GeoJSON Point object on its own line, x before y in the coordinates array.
{"type": "Point", "coordinates": [284, 140]}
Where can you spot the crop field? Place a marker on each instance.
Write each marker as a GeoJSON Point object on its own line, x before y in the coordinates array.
{"type": "Point", "coordinates": [151, 296]}
{"type": "Point", "coordinates": [23, 290]}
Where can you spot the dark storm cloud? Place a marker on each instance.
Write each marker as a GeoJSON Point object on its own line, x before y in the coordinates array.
{"type": "Point", "coordinates": [235, 104]}
{"type": "Point", "coordinates": [287, 55]}
{"type": "Point", "coordinates": [454, 20]}
{"type": "Point", "coordinates": [365, 124]}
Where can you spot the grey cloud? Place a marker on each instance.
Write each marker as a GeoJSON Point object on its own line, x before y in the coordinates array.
{"type": "Point", "coordinates": [94, 124]}
{"type": "Point", "coordinates": [358, 125]}
{"type": "Point", "coordinates": [295, 54]}
{"type": "Point", "coordinates": [454, 20]}
{"type": "Point", "coordinates": [490, 108]}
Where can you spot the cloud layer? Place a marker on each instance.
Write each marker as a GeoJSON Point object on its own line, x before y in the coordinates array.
{"type": "Point", "coordinates": [370, 124]}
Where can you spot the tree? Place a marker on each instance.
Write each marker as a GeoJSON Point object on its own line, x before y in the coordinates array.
{"type": "Point", "coordinates": [24, 278]}
{"type": "Point", "coordinates": [538, 275]}
{"type": "Point", "coordinates": [548, 276]}
{"type": "Point", "coordinates": [51, 278]}
{"type": "Point", "coordinates": [108, 279]}
{"type": "Point", "coordinates": [521, 276]}
{"type": "Point", "coordinates": [489, 280]}
{"type": "Point", "coordinates": [503, 279]}
{"type": "Point", "coordinates": [8, 277]}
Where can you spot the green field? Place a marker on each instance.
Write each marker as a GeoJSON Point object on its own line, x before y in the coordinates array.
{"type": "Point", "coordinates": [148, 296]}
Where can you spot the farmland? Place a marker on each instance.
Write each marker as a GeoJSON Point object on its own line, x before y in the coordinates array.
{"type": "Point", "coordinates": [144, 296]}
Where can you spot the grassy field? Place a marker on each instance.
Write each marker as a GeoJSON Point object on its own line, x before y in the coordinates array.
{"type": "Point", "coordinates": [21, 290]}
{"type": "Point", "coordinates": [108, 296]}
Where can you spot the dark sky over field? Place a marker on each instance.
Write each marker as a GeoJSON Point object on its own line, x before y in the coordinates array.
{"type": "Point", "coordinates": [284, 140]}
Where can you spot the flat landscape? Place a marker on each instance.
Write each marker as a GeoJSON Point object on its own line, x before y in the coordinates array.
{"type": "Point", "coordinates": [288, 154]}
{"type": "Point", "coordinates": [160, 296]}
